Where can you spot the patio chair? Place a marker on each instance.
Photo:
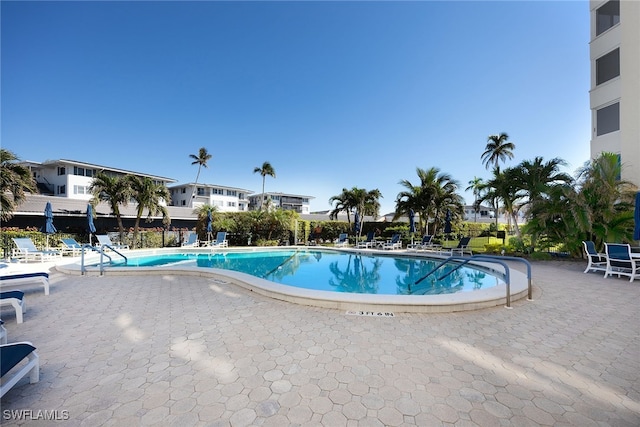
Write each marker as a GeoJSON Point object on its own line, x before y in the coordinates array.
{"type": "Point", "coordinates": [461, 249]}
{"type": "Point", "coordinates": [394, 243]}
{"type": "Point", "coordinates": [368, 243]}
{"type": "Point", "coordinates": [3, 333]}
{"type": "Point", "coordinates": [191, 240]}
{"type": "Point", "coordinates": [221, 240]}
{"type": "Point", "coordinates": [12, 279]}
{"type": "Point", "coordinates": [15, 299]}
{"type": "Point", "coordinates": [12, 355]}
{"type": "Point", "coordinates": [596, 261]}
{"type": "Point", "coordinates": [104, 240]}
{"type": "Point", "coordinates": [343, 240]}
{"type": "Point", "coordinates": [71, 246]}
{"type": "Point", "coordinates": [620, 261]}
{"type": "Point", "coordinates": [25, 249]}
{"type": "Point", "coordinates": [423, 244]}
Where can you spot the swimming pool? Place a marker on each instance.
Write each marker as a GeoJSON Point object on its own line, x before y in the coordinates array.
{"type": "Point", "coordinates": [334, 271]}
{"type": "Point", "coordinates": [346, 277]}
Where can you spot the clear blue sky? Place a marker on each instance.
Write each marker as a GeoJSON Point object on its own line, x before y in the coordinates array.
{"type": "Point", "coordinates": [332, 94]}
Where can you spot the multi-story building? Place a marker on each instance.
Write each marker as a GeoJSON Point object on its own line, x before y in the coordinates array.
{"type": "Point", "coordinates": [615, 82]}
{"type": "Point", "coordinates": [289, 202]}
{"type": "Point", "coordinates": [226, 199]}
{"type": "Point", "coordinates": [71, 178]}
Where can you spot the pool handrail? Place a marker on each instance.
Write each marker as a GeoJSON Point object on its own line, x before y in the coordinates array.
{"type": "Point", "coordinates": [102, 255]}
{"type": "Point", "coordinates": [488, 258]}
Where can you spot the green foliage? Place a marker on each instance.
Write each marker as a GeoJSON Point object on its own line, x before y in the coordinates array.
{"type": "Point", "coordinates": [265, 242]}
{"type": "Point", "coordinates": [540, 256]}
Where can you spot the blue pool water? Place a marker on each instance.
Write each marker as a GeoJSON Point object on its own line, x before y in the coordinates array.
{"type": "Point", "coordinates": [336, 271]}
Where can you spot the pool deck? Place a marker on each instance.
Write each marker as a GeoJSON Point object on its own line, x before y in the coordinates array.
{"type": "Point", "coordinates": [175, 350]}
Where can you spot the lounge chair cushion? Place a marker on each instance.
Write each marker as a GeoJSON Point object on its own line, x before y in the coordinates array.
{"type": "Point", "coordinates": [12, 354]}
{"type": "Point", "coordinates": [27, 277]}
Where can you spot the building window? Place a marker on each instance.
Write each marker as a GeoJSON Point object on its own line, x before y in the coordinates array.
{"type": "Point", "coordinates": [79, 189]}
{"type": "Point", "coordinates": [608, 119]}
{"type": "Point", "coordinates": [217, 191]}
{"type": "Point", "coordinates": [607, 16]}
{"type": "Point", "coordinates": [184, 203]}
{"type": "Point", "coordinates": [62, 189]}
{"type": "Point", "coordinates": [62, 170]}
{"type": "Point", "coordinates": [200, 191]}
{"type": "Point", "coordinates": [231, 204]}
{"type": "Point", "coordinates": [608, 66]}
{"type": "Point", "coordinates": [232, 193]}
{"type": "Point", "coordinates": [184, 190]}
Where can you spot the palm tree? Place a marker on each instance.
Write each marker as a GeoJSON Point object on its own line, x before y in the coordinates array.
{"type": "Point", "coordinates": [203, 216]}
{"type": "Point", "coordinates": [498, 149]}
{"type": "Point", "coordinates": [201, 160]}
{"type": "Point", "coordinates": [475, 185]}
{"type": "Point", "coordinates": [342, 205]}
{"type": "Point", "coordinates": [113, 189]}
{"type": "Point", "coordinates": [265, 170]}
{"type": "Point", "coordinates": [364, 202]}
{"type": "Point", "coordinates": [15, 180]}
{"type": "Point", "coordinates": [424, 198]}
{"type": "Point", "coordinates": [503, 187]}
{"type": "Point", "coordinates": [148, 195]}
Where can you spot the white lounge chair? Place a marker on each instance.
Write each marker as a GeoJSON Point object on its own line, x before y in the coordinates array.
{"type": "Point", "coordinates": [596, 261]}
{"type": "Point", "coordinates": [12, 355]}
{"type": "Point", "coordinates": [343, 240]}
{"type": "Point", "coordinates": [368, 243]}
{"type": "Point", "coordinates": [425, 243]}
{"type": "Point", "coordinates": [3, 333]}
{"type": "Point", "coordinates": [25, 249]}
{"type": "Point", "coordinates": [71, 246]}
{"type": "Point", "coordinates": [12, 279]}
{"type": "Point", "coordinates": [104, 240]}
{"type": "Point", "coordinates": [461, 249]}
{"type": "Point", "coordinates": [221, 240]}
{"type": "Point", "coordinates": [191, 240]}
{"type": "Point", "coordinates": [14, 298]}
{"type": "Point", "coordinates": [620, 261]}
{"type": "Point", "coordinates": [394, 243]}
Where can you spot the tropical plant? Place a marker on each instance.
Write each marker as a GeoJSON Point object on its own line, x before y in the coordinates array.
{"type": "Point", "coordinates": [342, 204]}
{"type": "Point", "coordinates": [148, 195]}
{"type": "Point", "coordinates": [431, 198]}
{"type": "Point", "coordinates": [203, 217]}
{"type": "Point", "coordinates": [503, 187]}
{"type": "Point", "coordinates": [201, 160]}
{"type": "Point", "coordinates": [114, 190]}
{"type": "Point", "coordinates": [475, 185]}
{"type": "Point", "coordinates": [15, 181]}
{"type": "Point", "coordinates": [265, 170]}
{"type": "Point", "coordinates": [364, 202]}
{"type": "Point", "coordinates": [498, 149]}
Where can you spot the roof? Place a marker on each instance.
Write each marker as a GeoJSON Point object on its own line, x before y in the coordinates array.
{"type": "Point", "coordinates": [53, 163]}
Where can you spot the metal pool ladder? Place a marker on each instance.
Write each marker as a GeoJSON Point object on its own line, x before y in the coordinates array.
{"type": "Point", "coordinates": [487, 258]}
{"type": "Point", "coordinates": [101, 249]}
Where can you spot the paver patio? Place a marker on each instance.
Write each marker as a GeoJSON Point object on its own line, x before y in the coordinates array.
{"type": "Point", "coordinates": [189, 351]}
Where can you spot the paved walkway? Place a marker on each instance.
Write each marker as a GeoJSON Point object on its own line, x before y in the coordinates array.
{"type": "Point", "coordinates": [174, 351]}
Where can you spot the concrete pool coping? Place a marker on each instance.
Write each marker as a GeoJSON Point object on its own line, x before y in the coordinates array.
{"type": "Point", "coordinates": [461, 301]}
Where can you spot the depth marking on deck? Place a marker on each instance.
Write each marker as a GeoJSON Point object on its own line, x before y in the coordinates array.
{"type": "Point", "coordinates": [371, 313]}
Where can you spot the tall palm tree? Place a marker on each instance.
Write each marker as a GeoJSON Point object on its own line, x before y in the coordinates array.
{"type": "Point", "coordinates": [342, 204]}
{"type": "Point", "coordinates": [503, 187]}
{"type": "Point", "coordinates": [364, 202]}
{"type": "Point", "coordinates": [265, 170]}
{"type": "Point", "coordinates": [201, 160]}
{"type": "Point", "coordinates": [424, 198]}
{"type": "Point", "coordinates": [497, 150]}
{"type": "Point", "coordinates": [15, 180]}
{"type": "Point", "coordinates": [148, 195]}
{"type": "Point", "coordinates": [113, 189]}
{"type": "Point", "coordinates": [476, 186]}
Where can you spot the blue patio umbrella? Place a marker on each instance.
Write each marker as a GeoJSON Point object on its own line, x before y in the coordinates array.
{"type": "Point", "coordinates": [91, 228]}
{"type": "Point", "coordinates": [412, 223]}
{"type": "Point", "coordinates": [447, 222]}
{"type": "Point", "coordinates": [209, 225]}
{"type": "Point", "coordinates": [356, 224]}
{"type": "Point", "coordinates": [48, 227]}
{"type": "Point", "coordinates": [636, 218]}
